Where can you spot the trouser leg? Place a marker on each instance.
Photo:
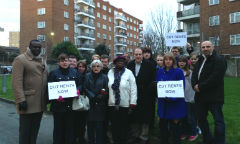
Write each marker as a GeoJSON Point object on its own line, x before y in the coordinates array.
{"type": "Point", "coordinates": [58, 130]}
{"type": "Point", "coordinates": [99, 132]}
{"type": "Point", "coordinates": [175, 128]}
{"type": "Point", "coordinates": [36, 120]}
{"type": "Point", "coordinates": [91, 132]}
{"type": "Point", "coordinates": [69, 127]}
{"type": "Point", "coordinates": [163, 126]}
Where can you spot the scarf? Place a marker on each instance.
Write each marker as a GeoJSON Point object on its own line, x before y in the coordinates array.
{"type": "Point", "coordinates": [116, 84]}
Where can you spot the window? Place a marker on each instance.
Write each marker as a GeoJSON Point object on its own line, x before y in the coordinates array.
{"type": "Point", "coordinates": [134, 36]}
{"type": "Point", "coordinates": [104, 17]}
{"type": "Point", "coordinates": [39, 0]}
{"type": "Point", "coordinates": [66, 15]}
{"type": "Point", "coordinates": [135, 43]}
{"type": "Point", "coordinates": [110, 19]}
{"type": "Point", "coordinates": [110, 29]}
{"type": "Point", "coordinates": [130, 19]}
{"type": "Point", "coordinates": [110, 38]}
{"type": "Point", "coordinates": [127, 26]}
{"type": "Point", "coordinates": [41, 11]}
{"type": "Point", "coordinates": [134, 21]}
{"type": "Point", "coordinates": [98, 4]}
{"type": "Point", "coordinates": [41, 37]}
{"type": "Point", "coordinates": [213, 2]}
{"type": "Point", "coordinates": [98, 25]}
{"type": "Point", "coordinates": [130, 34]}
{"type": "Point", "coordinates": [231, 0]}
{"type": "Point", "coordinates": [134, 29]}
{"type": "Point", "coordinates": [104, 36]}
{"type": "Point", "coordinates": [104, 26]}
{"type": "Point", "coordinates": [66, 39]}
{"type": "Point", "coordinates": [41, 24]}
{"type": "Point", "coordinates": [98, 35]}
{"type": "Point", "coordinates": [66, 2]}
{"type": "Point", "coordinates": [214, 20]}
{"type": "Point", "coordinates": [98, 15]}
{"type": "Point", "coordinates": [235, 39]}
{"type": "Point", "coordinates": [104, 7]}
{"type": "Point", "coordinates": [127, 34]}
{"type": "Point", "coordinates": [127, 18]}
{"type": "Point", "coordinates": [109, 10]}
{"type": "Point", "coordinates": [214, 40]}
{"type": "Point", "coordinates": [66, 27]}
{"type": "Point", "coordinates": [130, 27]}
{"type": "Point", "coordinates": [234, 17]}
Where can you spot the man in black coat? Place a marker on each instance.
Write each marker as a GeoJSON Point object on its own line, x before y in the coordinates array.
{"type": "Point", "coordinates": [144, 73]}
{"type": "Point", "coordinates": [208, 83]}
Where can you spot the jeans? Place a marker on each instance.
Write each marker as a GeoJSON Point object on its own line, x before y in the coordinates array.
{"type": "Point", "coordinates": [219, 130]}
{"type": "Point", "coordinates": [95, 132]}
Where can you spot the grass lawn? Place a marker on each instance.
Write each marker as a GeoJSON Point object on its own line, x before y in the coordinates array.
{"type": "Point", "coordinates": [231, 111]}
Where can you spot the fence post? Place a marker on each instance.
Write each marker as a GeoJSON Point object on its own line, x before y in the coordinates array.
{"type": "Point", "coordinates": [4, 89]}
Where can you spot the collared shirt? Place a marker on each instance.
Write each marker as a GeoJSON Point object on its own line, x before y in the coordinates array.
{"type": "Point", "coordinates": [137, 68]}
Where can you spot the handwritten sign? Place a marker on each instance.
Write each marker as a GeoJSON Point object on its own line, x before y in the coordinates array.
{"type": "Point", "coordinates": [169, 89]}
{"type": "Point", "coordinates": [65, 89]}
{"type": "Point", "coordinates": [176, 39]}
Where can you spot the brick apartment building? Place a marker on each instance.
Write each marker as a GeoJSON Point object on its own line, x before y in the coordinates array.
{"type": "Point", "coordinates": [214, 20]}
{"type": "Point", "coordinates": [86, 23]}
{"type": "Point", "coordinates": [14, 39]}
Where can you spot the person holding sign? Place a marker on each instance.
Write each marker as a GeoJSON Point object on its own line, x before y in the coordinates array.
{"type": "Point", "coordinates": [61, 108]}
{"type": "Point", "coordinates": [170, 109]}
{"type": "Point", "coordinates": [96, 88]}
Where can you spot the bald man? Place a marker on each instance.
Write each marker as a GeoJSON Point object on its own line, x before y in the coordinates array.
{"type": "Point", "coordinates": [208, 83]}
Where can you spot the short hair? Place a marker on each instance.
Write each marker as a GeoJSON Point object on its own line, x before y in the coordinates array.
{"type": "Point", "coordinates": [96, 62]}
{"type": "Point", "coordinates": [104, 56]}
{"type": "Point", "coordinates": [175, 47]}
{"type": "Point", "coordinates": [147, 50]}
{"type": "Point", "coordinates": [96, 55]}
{"type": "Point", "coordinates": [169, 55]}
{"type": "Point", "coordinates": [62, 56]}
{"type": "Point", "coordinates": [83, 62]}
{"type": "Point", "coordinates": [34, 40]}
{"type": "Point", "coordinates": [72, 56]}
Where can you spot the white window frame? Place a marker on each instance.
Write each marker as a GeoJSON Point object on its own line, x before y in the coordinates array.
{"type": "Point", "coordinates": [98, 35]}
{"type": "Point", "coordinates": [235, 39]}
{"type": "Point", "coordinates": [98, 25]}
{"type": "Point", "coordinates": [213, 2]}
{"type": "Point", "coordinates": [41, 11]}
{"type": "Point", "coordinates": [41, 37]}
{"type": "Point", "coordinates": [104, 7]}
{"type": "Point", "coordinates": [98, 15]}
{"type": "Point", "coordinates": [214, 20]}
{"type": "Point", "coordinates": [234, 17]}
{"type": "Point", "coordinates": [98, 4]}
{"type": "Point", "coordinates": [215, 41]}
{"type": "Point", "coordinates": [104, 36]}
{"type": "Point", "coordinates": [66, 27]}
{"type": "Point", "coordinates": [109, 10]}
{"type": "Point", "coordinates": [110, 37]}
{"type": "Point", "coordinates": [66, 2]}
{"type": "Point", "coordinates": [66, 14]}
{"type": "Point", "coordinates": [104, 26]}
{"type": "Point", "coordinates": [66, 38]}
{"type": "Point", "coordinates": [40, 0]}
{"type": "Point", "coordinates": [110, 19]}
{"type": "Point", "coordinates": [41, 24]}
{"type": "Point", "coordinates": [104, 17]}
{"type": "Point", "coordinates": [110, 29]}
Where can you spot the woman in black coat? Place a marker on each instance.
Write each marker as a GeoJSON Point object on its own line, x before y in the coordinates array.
{"type": "Point", "coordinates": [96, 88]}
{"type": "Point", "coordinates": [63, 131]}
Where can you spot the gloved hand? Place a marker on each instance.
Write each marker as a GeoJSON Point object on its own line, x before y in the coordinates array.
{"type": "Point", "coordinates": [22, 106]}
{"type": "Point", "coordinates": [60, 99]}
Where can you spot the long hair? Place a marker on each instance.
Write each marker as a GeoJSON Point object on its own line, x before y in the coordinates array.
{"type": "Point", "coordinates": [169, 55]}
{"type": "Point", "coordinates": [186, 67]}
{"type": "Point", "coordinates": [84, 64]}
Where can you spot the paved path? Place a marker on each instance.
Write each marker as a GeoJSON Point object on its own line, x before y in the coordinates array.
{"type": "Point", "coordinates": [9, 125]}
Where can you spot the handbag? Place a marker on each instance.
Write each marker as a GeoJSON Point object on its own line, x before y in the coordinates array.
{"type": "Point", "coordinates": [81, 103]}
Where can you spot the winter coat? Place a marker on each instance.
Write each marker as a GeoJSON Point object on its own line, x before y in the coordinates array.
{"type": "Point", "coordinates": [29, 82]}
{"type": "Point", "coordinates": [128, 89]}
{"type": "Point", "coordinates": [171, 108]}
{"type": "Point", "coordinates": [61, 74]}
{"type": "Point", "coordinates": [93, 85]}
{"type": "Point", "coordinates": [144, 111]}
{"type": "Point", "coordinates": [211, 81]}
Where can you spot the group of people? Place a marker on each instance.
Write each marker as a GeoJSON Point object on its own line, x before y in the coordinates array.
{"type": "Point", "coordinates": [122, 97]}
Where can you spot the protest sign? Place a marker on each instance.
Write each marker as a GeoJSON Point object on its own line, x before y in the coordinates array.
{"type": "Point", "coordinates": [65, 89]}
{"type": "Point", "coordinates": [176, 39]}
{"type": "Point", "coordinates": [168, 89]}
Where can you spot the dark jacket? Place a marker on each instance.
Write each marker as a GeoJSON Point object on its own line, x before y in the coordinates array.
{"type": "Point", "coordinates": [61, 74]}
{"type": "Point", "coordinates": [211, 81]}
{"type": "Point", "coordinates": [93, 85]}
{"type": "Point", "coordinates": [146, 99]}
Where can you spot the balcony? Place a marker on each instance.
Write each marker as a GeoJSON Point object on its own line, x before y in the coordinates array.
{"type": "Point", "coordinates": [120, 43]}
{"type": "Point", "coordinates": [191, 15]}
{"type": "Point", "coordinates": [85, 12]}
{"type": "Point", "coordinates": [83, 35]}
{"type": "Point", "coordinates": [121, 34]}
{"type": "Point", "coordinates": [187, 2]}
{"type": "Point", "coordinates": [86, 47]}
{"type": "Point", "coordinates": [122, 26]}
{"type": "Point", "coordinates": [86, 2]}
{"type": "Point", "coordinates": [140, 27]}
{"type": "Point", "coordinates": [121, 17]}
{"type": "Point", "coordinates": [193, 33]}
{"type": "Point", "coordinates": [85, 24]}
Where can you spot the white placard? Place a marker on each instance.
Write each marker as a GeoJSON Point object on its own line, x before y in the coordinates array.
{"type": "Point", "coordinates": [65, 89]}
{"type": "Point", "coordinates": [176, 39]}
{"type": "Point", "coordinates": [169, 89]}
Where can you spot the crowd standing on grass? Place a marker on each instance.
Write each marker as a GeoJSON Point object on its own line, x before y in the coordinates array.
{"type": "Point", "coordinates": [122, 96]}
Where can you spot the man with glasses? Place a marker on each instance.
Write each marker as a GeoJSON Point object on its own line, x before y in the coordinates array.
{"type": "Point", "coordinates": [208, 83]}
{"type": "Point", "coordinates": [175, 51]}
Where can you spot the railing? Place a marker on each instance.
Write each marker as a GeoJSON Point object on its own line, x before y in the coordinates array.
{"type": "Point", "coordinates": [85, 46]}
{"type": "Point", "coordinates": [121, 17]}
{"type": "Point", "coordinates": [195, 10]}
{"type": "Point", "coordinates": [85, 23]}
{"type": "Point", "coordinates": [122, 25]}
{"type": "Point", "coordinates": [120, 42]}
{"type": "Point", "coordinates": [85, 11]}
{"type": "Point", "coordinates": [86, 34]}
{"type": "Point", "coordinates": [194, 31]}
{"type": "Point", "coordinates": [90, 2]}
{"type": "Point", "coordinates": [121, 33]}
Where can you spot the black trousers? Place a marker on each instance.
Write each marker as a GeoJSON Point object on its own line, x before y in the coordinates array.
{"type": "Point", "coordinates": [119, 119]}
{"type": "Point", "coordinates": [63, 132]}
{"type": "Point", "coordinates": [80, 121]}
{"type": "Point", "coordinates": [28, 127]}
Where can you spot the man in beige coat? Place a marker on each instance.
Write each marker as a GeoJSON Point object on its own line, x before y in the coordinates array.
{"type": "Point", "coordinates": [29, 81]}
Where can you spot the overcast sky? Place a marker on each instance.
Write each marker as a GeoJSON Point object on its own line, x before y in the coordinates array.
{"type": "Point", "coordinates": [10, 12]}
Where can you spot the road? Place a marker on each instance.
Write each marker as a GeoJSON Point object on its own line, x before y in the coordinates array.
{"type": "Point", "coordinates": [9, 125]}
